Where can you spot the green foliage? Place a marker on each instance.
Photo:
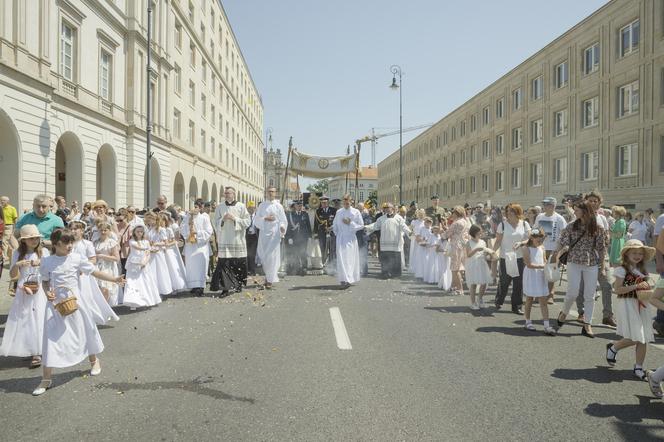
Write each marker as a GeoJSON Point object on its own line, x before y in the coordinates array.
{"type": "Point", "coordinates": [321, 186]}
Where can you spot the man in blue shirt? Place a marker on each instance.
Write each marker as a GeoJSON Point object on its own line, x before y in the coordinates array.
{"type": "Point", "coordinates": [42, 217]}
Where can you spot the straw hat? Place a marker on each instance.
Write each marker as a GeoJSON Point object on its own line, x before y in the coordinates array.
{"type": "Point", "coordinates": [648, 252]}
{"type": "Point", "coordinates": [99, 203]}
{"type": "Point", "coordinates": [29, 231]}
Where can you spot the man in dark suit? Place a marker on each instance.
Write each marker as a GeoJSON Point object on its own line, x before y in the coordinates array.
{"type": "Point", "coordinates": [297, 235]}
{"type": "Point", "coordinates": [323, 227]}
{"type": "Point", "coordinates": [251, 236]}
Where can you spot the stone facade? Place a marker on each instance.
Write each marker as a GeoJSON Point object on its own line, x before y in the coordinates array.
{"type": "Point", "coordinates": [275, 170]}
{"type": "Point", "coordinates": [367, 183]}
{"type": "Point", "coordinates": [73, 100]}
{"type": "Point", "coordinates": [585, 112]}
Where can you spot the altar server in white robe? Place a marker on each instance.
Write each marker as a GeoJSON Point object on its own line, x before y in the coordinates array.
{"type": "Point", "coordinates": [391, 227]}
{"type": "Point", "coordinates": [196, 230]}
{"type": "Point", "coordinates": [347, 221]}
{"type": "Point", "coordinates": [271, 221]}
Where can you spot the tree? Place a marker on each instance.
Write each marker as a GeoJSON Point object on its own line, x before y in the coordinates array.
{"type": "Point", "coordinates": [373, 198]}
{"type": "Point", "coordinates": [320, 186]}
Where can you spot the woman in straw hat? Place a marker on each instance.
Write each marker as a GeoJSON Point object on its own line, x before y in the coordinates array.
{"type": "Point", "coordinates": [100, 215]}
{"type": "Point", "coordinates": [25, 322]}
{"type": "Point", "coordinates": [633, 317]}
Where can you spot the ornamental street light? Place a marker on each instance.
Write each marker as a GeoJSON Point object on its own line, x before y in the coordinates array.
{"type": "Point", "coordinates": [396, 70]}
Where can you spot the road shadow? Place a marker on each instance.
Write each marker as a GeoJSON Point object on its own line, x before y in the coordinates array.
{"type": "Point", "coordinates": [642, 433]}
{"type": "Point", "coordinates": [517, 331]}
{"type": "Point", "coordinates": [12, 362]}
{"type": "Point", "coordinates": [335, 287]}
{"type": "Point", "coordinates": [196, 386]}
{"type": "Point", "coordinates": [598, 375]}
{"type": "Point", "coordinates": [462, 309]}
{"type": "Point", "coordinates": [27, 385]}
{"type": "Point", "coordinates": [648, 408]}
{"type": "Point", "coordinates": [430, 293]}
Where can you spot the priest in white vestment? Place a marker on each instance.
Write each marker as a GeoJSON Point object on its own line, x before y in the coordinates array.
{"type": "Point", "coordinates": [347, 221]}
{"type": "Point", "coordinates": [196, 230]}
{"type": "Point", "coordinates": [231, 219]}
{"type": "Point", "coordinates": [392, 228]}
{"type": "Point", "coordinates": [271, 221]}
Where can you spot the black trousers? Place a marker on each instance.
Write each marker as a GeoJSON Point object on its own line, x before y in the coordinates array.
{"type": "Point", "coordinates": [229, 275]}
{"type": "Point", "coordinates": [505, 281]}
{"type": "Point", "coordinates": [296, 257]}
{"type": "Point", "coordinates": [390, 264]}
{"type": "Point", "coordinates": [327, 253]}
{"type": "Point", "coordinates": [252, 245]}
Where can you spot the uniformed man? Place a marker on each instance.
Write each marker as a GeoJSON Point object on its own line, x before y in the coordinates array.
{"type": "Point", "coordinates": [252, 240]}
{"type": "Point", "coordinates": [323, 228]}
{"type": "Point", "coordinates": [435, 212]}
{"type": "Point", "coordinates": [297, 235]}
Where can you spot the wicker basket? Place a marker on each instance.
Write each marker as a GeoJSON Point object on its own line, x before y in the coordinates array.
{"type": "Point", "coordinates": [67, 307]}
{"type": "Point", "coordinates": [32, 283]}
{"type": "Point", "coordinates": [644, 295]}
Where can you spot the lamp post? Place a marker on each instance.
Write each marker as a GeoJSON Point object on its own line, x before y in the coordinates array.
{"type": "Point", "coordinates": [417, 189]}
{"type": "Point", "coordinates": [148, 124]}
{"type": "Point", "coordinates": [396, 70]}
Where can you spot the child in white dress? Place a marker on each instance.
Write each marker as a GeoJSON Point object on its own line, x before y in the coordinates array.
{"type": "Point", "coordinates": [415, 227]}
{"type": "Point", "coordinates": [534, 282]}
{"type": "Point", "coordinates": [157, 237]}
{"type": "Point", "coordinates": [176, 268]}
{"type": "Point", "coordinates": [422, 240]}
{"type": "Point", "coordinates": [141, 288]}
{"type": "Point", "coordinates": [107, 250]}
{"type": "Point", "coordinates": [433, 269]}
{"type": "Point", "coordinates": [25, 323]}
{"type": "Point", "coordinates": [68, 339]}
{"type": "Point", "coordinates": [633, 317]}
{"type": "Point", "coordinates": [478, 273]}
{"type": "Point", "coordinates": [91, 295]}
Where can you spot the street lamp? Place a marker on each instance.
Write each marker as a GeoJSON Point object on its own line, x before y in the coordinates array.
{"type": "Point", "coordinates": [417, 189]}
{"type": "Point", "coordinates": [396, 70]}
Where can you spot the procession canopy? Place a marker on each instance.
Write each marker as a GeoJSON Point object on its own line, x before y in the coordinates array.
{"type": "Point", "coordinates": [322, 167]}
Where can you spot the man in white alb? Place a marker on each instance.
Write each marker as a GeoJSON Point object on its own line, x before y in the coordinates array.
{"type": "Point", "coordinates": [271, 221]}
{"type": "Point", "coordinates": [347, 221]}
{"type": "Point", "coordinates": [196, 231]}
{"type": "Point", "coordinates": [391, 227]}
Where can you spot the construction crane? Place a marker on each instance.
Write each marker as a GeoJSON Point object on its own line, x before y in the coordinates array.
{"type": "Point", "coordinates": [374, 138]}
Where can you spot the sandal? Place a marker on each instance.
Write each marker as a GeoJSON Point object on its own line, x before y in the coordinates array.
{"type": "Point", "coordinates": [36, 362]}
{"type": "Point", "coordinates": [44, 385]}
{"type": "Point", "coordinates": [655, 387]}
{"type": "Point", "coordinates": [550, 331]}
{"type": "Point", "coordinates": [561, 322]}
{"type": "Point", "coordinates": [640, 373]}
{"type": "Point", "coordinates": [611, 355]}
{"type": "Point", "coordinates": [530, 327]}
{"type": "Point", "coordinates": [96, 368]}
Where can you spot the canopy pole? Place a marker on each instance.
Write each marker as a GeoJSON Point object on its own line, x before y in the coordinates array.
{"type": "Point", "coordinates": [290, 148]}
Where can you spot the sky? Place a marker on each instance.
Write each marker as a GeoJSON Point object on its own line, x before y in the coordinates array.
{"type": "Point", "coordinates": [323, 67]}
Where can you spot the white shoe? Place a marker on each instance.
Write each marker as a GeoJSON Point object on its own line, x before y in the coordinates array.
{"type": "Point", "coordinates": [550, 331]}
{"type": "Point", "coordinates": [96, 368]}
{"type": "Point", "coordinates": [481, 304]}
{"type": "Point", "coordinates": [42, 387]}
{"type": "Point", "coordinates": [474, 306]}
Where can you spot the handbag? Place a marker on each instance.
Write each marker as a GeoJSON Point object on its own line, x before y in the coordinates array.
{"type": "Point", "coordinates": [551, 271]}
{"type": "Point", "coordinates": [562, 259]}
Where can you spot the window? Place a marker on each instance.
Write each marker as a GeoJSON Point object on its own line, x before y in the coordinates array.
{"type": "Point", "coordinates": [486, 150]}
{"type": "Point", "coordinates": [203, 140]}
{"type": "Point", "coordinates": [177, 79]}
{"type": "Point", "coordinates": [192, 55]}
{"type": "Point", "coordinates": [536, 174]}
{"type": "Point", "coordinates": [204, 71]}
{"type": "Point", "coordinates": [67, 51]}
{"type": "Point", "coordinates": [591, 59]}
{"type": "Point", "coordinates": [628, 99]}
{"type": "Point", "coordinates": [473, 123]}
{"type": "Point", "coordinates": [517, 98]}
{"type": "Point", "coordinates": [590, 110]}
{"type": "Point", "coordinates": [444, 164]}
{"type": "Point", "coordinates": [473, 154]}
{"type": "Point", "coordinates": [517, 140]}
{"type": "Point", "coordinates": [627, 160]}
{"type": "Point", "coordinates": [561, 75]}
{"type": "Point", "coordinates": [463, 158]}
{"type": "Point", "coordinates": [485, 116]}
{"type": "Point", "coordinates": [192, 94]}
{"type": "Point", "coordinates": [500, 107]}
{"type": "Point", "coordinates": [445, 133]}
{"type": "Point", "coordinates": [560, 170]}
{"type": "Point", "coordinates": [516, 178]}
{"type": "Point", "coordinates": [176, 123]}
{"type": "Point", "coordinates": [191, 12]}
{"type": "Point", "coordinates": [629, 38]}
{"type": "Point", "coordinates": [453, 133]}
{"type": "Point", "coordinates": [213, 115]}
{"type": "Point", "coordinates": [485, 183]}
{"type": "Point", "coordinates": [178, 35]}
{"type": "Point", "coordinates": [473, 184]}
{"type": "Point", "coordinates": [190, 133]}
{"type": "Point", "coordinates": [204, 105]}
{"type": "Point", "coordinates": [537, 90]}
{"type": "Point", "coordinates": [536, 129]}
{"type": "Point", "coordinates": [105, 73]}
{"type": "Point", "coordinates": [500, 181]}
{"type": "Point", "coordinates": [589, 166]}
{"type": "Point", "coordinates": [560, 123]}
{"type": "Point", "coordinates": [452, 188]}
{"type": "Point", "coordinates": [462, 186]}
{"type": "Point", "coordinates": [212, 144]}
{"type": "Point", "coordinates": [500, 144]}
{"type": "Point", "coordinates": [453, 160]}
{"type": "Point", "coordinates": [462, 129]}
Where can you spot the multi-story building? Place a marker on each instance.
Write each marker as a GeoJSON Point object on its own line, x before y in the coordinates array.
{"type": "Point", "coordinates": [275, 171]}
{"type": "Point", "coordinates": [585, 112]}
{"type": "Point", "coordinates": [73, 102]}
{"type": "Point", "coordinates": [367, 182]}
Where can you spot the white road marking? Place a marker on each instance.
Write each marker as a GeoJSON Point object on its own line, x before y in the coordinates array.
{"type": "Point", "coordinates": [343, 341]}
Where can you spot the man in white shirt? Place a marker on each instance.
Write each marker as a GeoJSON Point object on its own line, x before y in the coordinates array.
{"type": "Point", "coordinates": [347, 222]}
{"type": "Point", "coordinates": [552, 224]}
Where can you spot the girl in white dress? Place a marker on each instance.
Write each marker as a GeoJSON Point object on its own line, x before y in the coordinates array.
{"type": "Point", "coordinates": [534, 282]}
{"type": "Point", "coordinates": [478, 274]}
{"type": "Point", "coordinates": [157, 237]}
{"type": "Point", "coordinates": [25, 323]}
{"type": "Point", "coordinates": [174, 261]}
{"type": "Point", "coordinates": [91, 295]}
{"type": "Point", "coordinates": [141, 288]}
{"type": "Point", "coordinates": [445, 281]}
{"type": "Point", "coordinates": [433, 269]}
{"type": "Point", "coordinates": [632, 315]}
{"type": "Point", "coordinates": [422, 238]}
{"type": "Point", "coordinates": [69, 339]}
{"type": "Point", "coordinates": [415, 227]}
{"type": "Point", "coordinates": [107, 250]}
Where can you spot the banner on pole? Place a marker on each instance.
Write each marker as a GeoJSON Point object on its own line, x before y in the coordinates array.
{"type": "Point", "coordinates": [322, 167]}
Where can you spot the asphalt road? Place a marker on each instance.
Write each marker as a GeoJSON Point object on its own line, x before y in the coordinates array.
{"type": "Point", "coordinates": [265, 366]}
